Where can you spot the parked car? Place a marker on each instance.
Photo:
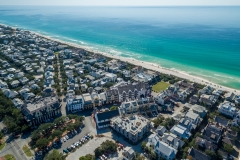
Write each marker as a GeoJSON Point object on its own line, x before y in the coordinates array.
{"type": "Point", "coordinates": [67, 137]}
{"type": "Point", "coordinates": [69, 148]}
{"type": "Point", "coordinates": [104, 156]}
{"type": "Point", "coordinates": [65, 151]}
{"type": "Point", "coordinates": [75, 131]}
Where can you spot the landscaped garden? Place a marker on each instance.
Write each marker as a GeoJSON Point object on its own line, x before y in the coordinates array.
{"type": "Point", "coordinates": [50, 132]}
{"type": "Point", "coordinates": [9, 157]}
{"type": "Point", "coordinates": [27, 151]}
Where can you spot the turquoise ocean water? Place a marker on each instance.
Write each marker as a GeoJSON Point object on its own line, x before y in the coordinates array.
{"type": "Point", "coordinates": [202, 41]}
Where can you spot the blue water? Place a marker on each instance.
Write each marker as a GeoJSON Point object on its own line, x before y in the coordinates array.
{"type": "Point", "coordinates": [202, 41]}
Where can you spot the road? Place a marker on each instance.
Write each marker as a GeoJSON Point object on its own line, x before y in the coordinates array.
{"type": "Point", "coordinates": [89, 128]}
{"type": "Point", "coordinates": [63, 104]}
{"type": "Point", "coordinates": [14, 149]}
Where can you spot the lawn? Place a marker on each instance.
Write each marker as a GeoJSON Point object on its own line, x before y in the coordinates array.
{"type": "Point", "coordinates": [160, 86]}
{"type": "Point", "coordinates": [27, 151]}
{"type": "Point", "coordinates": [2, 145]}
{"type": "Point", "coordinates": [9, 157]}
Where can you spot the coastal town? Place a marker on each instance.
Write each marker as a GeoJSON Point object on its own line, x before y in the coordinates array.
{"type": "Point", "coordinates": [59, 101]}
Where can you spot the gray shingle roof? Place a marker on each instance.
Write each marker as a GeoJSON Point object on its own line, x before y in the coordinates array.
{"type": "Point", "coordinates": [197, 155]}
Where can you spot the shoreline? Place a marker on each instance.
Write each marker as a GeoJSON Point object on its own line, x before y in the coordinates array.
{"type": "Point", "coordinates": [147, 65]}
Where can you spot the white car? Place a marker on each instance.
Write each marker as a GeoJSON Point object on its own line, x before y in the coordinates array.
{"type": "Point", "coordinates": [66, 137]}
{"type": "Point", "coordinates": [104, 156]}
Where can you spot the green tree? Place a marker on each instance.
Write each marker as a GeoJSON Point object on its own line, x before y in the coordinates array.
{"type": "Point", "coordinates": [43, 142]}
{"type": "Point", "coordinates": [227, 148]}
{"type": "Point", "coordinates": [105, 146]}
{"type": "Point", "coordinates": [143, 145]}
{"type": "Point", "coordinates": [169, 122]}
{"type": "Point", "coordinates": [211, 154]}
{"type": "Point", "coordinates": [57, 134]}
{"type": "Point", "coordinates": [87, 157]}
{"type": "Point", "coordinates": [54, 155]}
{"type": "Point", "coordinates": [1, 135]}
{"type": "Point", "coordinates": [113, 108]}
{"type": "Point", "coordinates": [139, 157]}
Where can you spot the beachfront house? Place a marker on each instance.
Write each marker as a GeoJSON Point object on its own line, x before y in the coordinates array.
{"type": "Point", "coordinates": [227, 108]}
{"type": "Point", "coordinates": [208, 100]}
{"type": "Point", "coordinates": [229, 96]}
{"type": "Point", "coordinates": [206, 90]}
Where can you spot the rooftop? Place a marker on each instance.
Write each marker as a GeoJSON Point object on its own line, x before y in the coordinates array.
{"type": "Point", "coordinates": [47, 101]}
{"type": "Point", "coordinates": [133, 124]}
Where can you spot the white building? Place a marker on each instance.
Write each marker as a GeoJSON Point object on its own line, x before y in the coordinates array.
{"type": "Point", "coordinates": [161, 98]}
{"type": "Point", "coordinates": [75, 103]}
{"type": "Point", "coordinates": [161, 148]}
{"type": "Point", "coordinates": [228, 109]}
{"type": "Point", "coordinates": [3, 85]}
{"type": "Point", "coordinates": [236, 119]}
{"type": "Point", "coordinates": [133, 128]}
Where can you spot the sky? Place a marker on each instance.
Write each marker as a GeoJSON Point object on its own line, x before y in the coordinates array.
{"type": "Point", "coordinates": [124, 2]}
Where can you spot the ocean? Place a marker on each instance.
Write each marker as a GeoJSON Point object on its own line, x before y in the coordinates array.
{"type": "Point", "coordinates": [201, 41]}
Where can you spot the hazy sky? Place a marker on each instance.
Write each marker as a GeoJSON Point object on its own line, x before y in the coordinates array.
{"type": "Point", "coordinates": [121, 2]}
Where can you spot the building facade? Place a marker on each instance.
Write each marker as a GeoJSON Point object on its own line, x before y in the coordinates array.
{"type": "Point", "coordinates": [228, 109]}
{"type": "Point", "coordinates": [41, 110]}
{"type": "Point", "coordinates": [75, 103]}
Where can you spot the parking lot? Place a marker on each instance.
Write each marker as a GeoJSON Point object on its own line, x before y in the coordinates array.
{"type": "Point", "coordinates": [88, 129]}
{"type": "Point", "coordinates": [87, 148]}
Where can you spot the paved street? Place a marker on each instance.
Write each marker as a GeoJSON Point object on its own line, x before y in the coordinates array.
{"type": "Point", "coordinates": [63, 103]}
{"type": "Point", "coordinates": [14, 149]}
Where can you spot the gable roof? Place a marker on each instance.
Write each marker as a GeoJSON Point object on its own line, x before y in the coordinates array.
{"type": "Point", "coordinates": [221, 121]}
{"type": "Point", "coordinates": [164, 148]}
{"type": "Point", "coordinates": [197, 155]}
{"type": "Point", "coordinates": [206, 144]}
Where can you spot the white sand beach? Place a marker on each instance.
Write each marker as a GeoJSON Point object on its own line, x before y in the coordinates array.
{"type": "Point", "coordinates": [148, 65]}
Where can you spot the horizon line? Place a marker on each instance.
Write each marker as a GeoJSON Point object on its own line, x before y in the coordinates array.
{"type": "Point", "coordinates": [122, 5]}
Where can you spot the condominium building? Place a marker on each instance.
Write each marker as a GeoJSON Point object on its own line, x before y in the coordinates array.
{"type": "Point", "coordinates": [133, 127]}
{"type": "Point", "coordinates": [41, 110]}
{"type": "Point", "coordinates": [129, 107]}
